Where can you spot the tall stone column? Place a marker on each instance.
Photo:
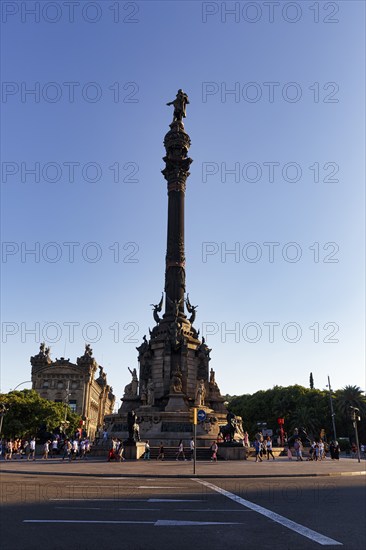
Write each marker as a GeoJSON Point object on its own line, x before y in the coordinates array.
{"type": "Point", "coordinates": [176, 172]}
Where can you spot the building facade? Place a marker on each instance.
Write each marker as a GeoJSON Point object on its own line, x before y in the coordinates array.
{"type": "Point", "coordinates": [74, 384]}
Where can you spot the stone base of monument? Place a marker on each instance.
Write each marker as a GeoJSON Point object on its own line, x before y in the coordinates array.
{"type": "Point", "coordinates": [177, 402]}
{"type": "Point", "coordinates": [232, 452]}
{"type": "Point", "coordinates": [168, 427]}
{"type": "Point", "coordinates": [133, 451]}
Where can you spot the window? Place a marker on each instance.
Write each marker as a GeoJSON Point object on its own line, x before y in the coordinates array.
{"type": "Point", "coordinates": [74, 385]}
{"type": "Point", "coordinates": [72, 405]}
{"type": "Point", "coordinates": [60, 385]}
{"type": "Point", "coordinates": [45, 384]}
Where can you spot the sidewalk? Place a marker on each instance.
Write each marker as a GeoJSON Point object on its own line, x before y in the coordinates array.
{"type": "Point", "coordinates": [281, 467]}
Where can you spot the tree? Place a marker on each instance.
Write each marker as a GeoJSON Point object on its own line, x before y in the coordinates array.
{"type": "Point", "coordinates": [311, 381]}
{"type": "Point", "coordinates": [350, 396]}
{"type": "Point", "coordinates": [299, 406]}
{"type": "Point", "coordinates": [28, 413]}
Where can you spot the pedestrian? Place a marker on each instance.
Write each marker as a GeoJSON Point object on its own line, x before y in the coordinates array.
{"type": "Point", "coordinates": [74, 449]}
{"type": "Point", "coordinates": [87, 448]}
{"type": "Point", "coordinates": [54, 447]}
{"type": "Point", "coordinates": [161, 451]}
{"type": "Point", "coordinates": [46, 449]}
{"type": "Point", "coordinates": [321, 450]}
{"type": "Point", "coordinates": [180, 450]}
{"type": "Point", "coordinates": [354, 450]}
{"type": "Point", "coordinates": [191, 448]}
{"type": "Point", "coordinates": [31, 449]}
{"type": "Point", "coordinates": [82, 449]}
{"type": "Point", "coordinates": [147, 451]}
{"type": "Point", "coordinates": [289, 453]}
{"type": "Point", "coordinates": [298, 449]}
{"type": "Point", "coordinates": [120, 456]}
{"type": "Point", "coordinates": [257, 448]}
{"type": "Point", "coordinates": [25, 448]}
{"type": "Point", "coordinates": [363, 450]}
{"type": "Point", "coordinates": [269, 448]}
{"type": "Point", "coordinates": [214, 449]}
{"type": "Point", "coordinates": [246, 439]}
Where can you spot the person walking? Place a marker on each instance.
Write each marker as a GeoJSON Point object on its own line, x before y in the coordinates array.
{"type": "Point", "coordinates": [54, 447]}
{"type": "Point", "coordinates": [119, 455]}
{"type": "Point", "coordinates": [46, 449]}
{"type": "Point", "coordinates": [82, 449]}
{"type": "Point", "coordinates": [147, 451]}
{"type": "Point", "coordinates": [191, 448]}
{"type": "Point", "coordinates": [214, 449]}
{"type": "Point", "coordinates": [180, 450]}
{"type": "Point", "coordinates": [161, 452]}
{"type": "Point", "coordinates": [298, 449]}
{"type": "Point", "coordinates": [257, 447]}
{"type": "Point", "coordinates": [74, 449]}
{"type": "Point", "coordinates": [32, 449]}
{"type": "Point", "coordinates": [269, 448]}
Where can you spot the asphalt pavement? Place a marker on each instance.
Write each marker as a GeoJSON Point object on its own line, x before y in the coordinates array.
{"type": "Point", "coordinates": [152, 505]}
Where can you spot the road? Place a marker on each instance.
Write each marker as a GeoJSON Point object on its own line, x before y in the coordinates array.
{"type": "Point", "coordinates": [160, 513]}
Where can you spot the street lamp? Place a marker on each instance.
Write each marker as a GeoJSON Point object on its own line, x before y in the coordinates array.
{"type": "Point", "coordinates": [331, 409]}
{"type": "Point", "coordinates": [355, 417]}
{"type": "Point", "coordinates": [21, 384]}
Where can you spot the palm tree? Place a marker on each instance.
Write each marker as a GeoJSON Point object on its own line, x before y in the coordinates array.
{"type": "Point", "coordinates": [350, 396]}
{"type": "Point", "coordinates": [304, 416]}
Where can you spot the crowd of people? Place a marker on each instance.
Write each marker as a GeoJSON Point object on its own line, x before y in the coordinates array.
{"type": "Point", "coordinates": [56, 446]}
{"type": "Point", "coordinates": [79, 447]}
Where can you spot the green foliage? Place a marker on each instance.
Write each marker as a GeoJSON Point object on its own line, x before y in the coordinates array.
{"type": "Point", "coordinates": [300, 407]}
{"type": "Point", "coordinates": [311, 381]}
{"type": "Point", "coordinates": [344, 399]}
{"type": "Point", "coordinates": [28, 412]}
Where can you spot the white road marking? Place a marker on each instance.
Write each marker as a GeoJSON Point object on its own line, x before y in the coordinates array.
{"type": "Point", "coordinates": [98, 499]}
{"type": "Point", "coordinates": [175, 523]}
{"type": "Point", "coordinates": [87, 508]}
{"type": "Point", "coordinates": [84, 521]}
{"type": "Point", "coordinates": [210, 510]}
{"type": "Point", "coordinates": [173, 500]}
{"type": "Point", "coordinates": [297, 527]}
{"type": "Point", "coordinates": [159, 523]}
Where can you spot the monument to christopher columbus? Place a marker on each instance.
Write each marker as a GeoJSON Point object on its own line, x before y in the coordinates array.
{"type": "Point", "coordinates": [174, 363]}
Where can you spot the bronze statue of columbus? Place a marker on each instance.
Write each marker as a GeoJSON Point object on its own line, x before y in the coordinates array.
{"type": "Point", "coordinates": [179, 104]}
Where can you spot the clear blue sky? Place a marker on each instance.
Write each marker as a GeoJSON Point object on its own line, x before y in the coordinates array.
{"type": "Point", "coordinates": [297, 154]}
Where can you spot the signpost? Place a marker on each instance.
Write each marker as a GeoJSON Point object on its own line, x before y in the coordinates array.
{"type": "Point", "coordinates": [198, 415]}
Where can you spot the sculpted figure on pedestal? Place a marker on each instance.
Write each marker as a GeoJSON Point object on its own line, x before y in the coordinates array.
{"type": "Point", "coordinates": [157, 309]}
{"type": "Point", "coordinates": [150, 393]}
{"type": "Point", "coordinates": [176, 384]}
{"type": "Point", "coordinates": [179, 104]}
{"type": "Point", "coordinates": [131, 388]}
{"type": "Point", "coordinates": [191, 309]}
{"type": "Point", "coordinates": [200, 393]}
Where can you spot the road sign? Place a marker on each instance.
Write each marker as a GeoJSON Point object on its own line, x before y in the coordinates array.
{"type": "Point", "coordinates": [201, 415]}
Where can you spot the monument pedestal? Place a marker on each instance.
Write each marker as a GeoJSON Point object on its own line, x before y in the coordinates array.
{"type": "Point", "coordinates": [133, 450]}
{"type": "Point", "coordinates": [177, 403]}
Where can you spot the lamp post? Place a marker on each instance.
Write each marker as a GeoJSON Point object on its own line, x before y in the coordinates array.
{"type": "Point", "coordinates": [65, 423]}
{"type": "Point", "coordinates": [331, 409]}
{"type": "Point", "coordinates": [21, 384]}
{"type": "Point", "coordinates": [355, 417]}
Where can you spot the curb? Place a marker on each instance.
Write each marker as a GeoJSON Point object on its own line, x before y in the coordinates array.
{"type": "Point", "coordinates": [184, 476]}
